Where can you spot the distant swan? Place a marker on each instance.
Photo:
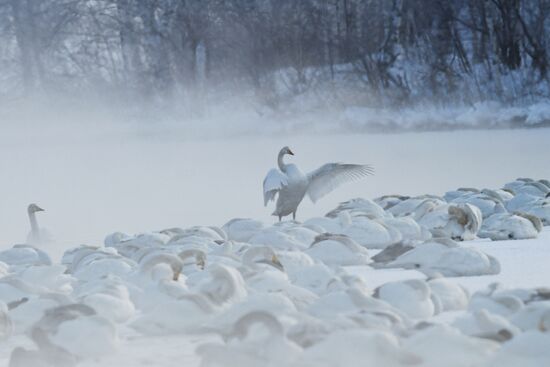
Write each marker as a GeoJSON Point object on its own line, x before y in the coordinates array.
{"type": "Point", "coordinates": [37, 235]}
{"type": "Point", "coordinates": [292, 185]}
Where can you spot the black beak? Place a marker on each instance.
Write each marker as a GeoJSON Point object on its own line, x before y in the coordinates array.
{"type": "Point", "coordinates": [290, 152]}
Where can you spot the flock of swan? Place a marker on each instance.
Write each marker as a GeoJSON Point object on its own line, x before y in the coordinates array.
{"type": "Point", "coordinates": [290, 294]}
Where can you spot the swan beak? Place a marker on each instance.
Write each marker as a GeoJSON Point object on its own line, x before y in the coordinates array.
{"type": "Point", "coordinates": [176, 276]}
{"type": "Point", "coordinates": [290, 152]}
{"type": "Point", "coordinates": [201, 264]}
{"type": "Point", "coordinates": [277, 263]}
{"type": "Point", "coordinates": [39, 209]}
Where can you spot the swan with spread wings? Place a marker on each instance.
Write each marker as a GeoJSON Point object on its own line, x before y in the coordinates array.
{"type": "Point", "coordinates": [291, 184]}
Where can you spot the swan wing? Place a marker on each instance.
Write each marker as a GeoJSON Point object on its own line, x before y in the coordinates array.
{"type": "Point", "coordinates": [331, 175]}
{"type": "Point", "coordinates": [274, 181]}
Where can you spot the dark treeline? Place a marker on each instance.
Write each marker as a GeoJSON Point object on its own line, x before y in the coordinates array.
{"type": "Point", "coordinates": [402, 51]}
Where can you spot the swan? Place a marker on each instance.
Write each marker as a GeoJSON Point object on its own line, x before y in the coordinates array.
{"type": "Point", "coordinates": [388, 201]}
{"type": "Point", "coordinates": [292, 185]}
{"type": "Point", "coordinates": [487, 203]}
{"type": "Point", "coordinates": [37, 235]}
{"type": "Point", "coordinates": [359, 206]}
{"type": "Point", "coordinates": [446, 257]}
{"type": "Point", "coordinates": [90, 265]}
{"type": "Point", "coordinates": [77, 330]}
{"type": "Point", "coordinates": [22, 256]}
{"type": "Point", "coordinates": [242, 229]}
{"type": "Point", "coordinates": [496, 300]}
{"type": "Point", "coordinates": [191, 310]}
{"type": "Point", "coordinates": [535, 188]}
{"type": "Point", "coordinates": [449, 295]}
{"type": "Point", "coordinates": [110, 298]}
{"type": "Point", "coordinates": [510, 226]}
{"type": "Point", "coordinates": [413, 297]}
{"type": "Point", "coordinates": [484, 324]}
{"type": "Point", "coordinates": [256, 339]}
{"type": "Point", "coordinates": [338, 250]}
{"type": "Point", "coordinates": [344, 348]}
{"type": "Point", "coordinates": [534, 316]}
{"type": "Point", "coordinates": [457, 221]}
{"type": "Point", "coordinates": [416, 207]}
{"type": "Point", "coordinates": [538, 206]}
{"type": "Point", "coordinates": [443, 345]}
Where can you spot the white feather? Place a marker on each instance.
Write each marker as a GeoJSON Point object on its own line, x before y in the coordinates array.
{"type": "Point", "coordinates": [331, 175]}
{"type": "Point", "coordinates": [274, 181]}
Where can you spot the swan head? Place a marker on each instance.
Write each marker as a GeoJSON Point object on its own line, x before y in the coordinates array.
{"type": "Point", "coordinates": [286, 150]}
{"type": "Point", "coordinates": [262, 254]}
{"type": "Point", "coordinates": [33, 208]}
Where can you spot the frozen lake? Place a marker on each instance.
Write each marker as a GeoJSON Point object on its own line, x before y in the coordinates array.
{"type": "Point", "coordinates": [93, 180]}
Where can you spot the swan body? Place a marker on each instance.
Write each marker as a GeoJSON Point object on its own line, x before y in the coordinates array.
{"type": "Point", "coordinates": [338, 250]}
{"type": "Point", "coordinates": [538, 206]}
{"type": "Point", "coordinates": [256, 339]}
{"type": "Point", "coordinates": [371, 347]}
{"type": "Point", "coordinates": [450, 296]}
{"type": "Point", "coordinates": [65, 335]}
{"type": "Point", "coordinates": [413, 297]}
{"type": "Point", "coordinates": [457, 221]}
{"type": "Point", "coordinates": [509, 226]}
{"type": "Point", "coordinates": [241, 229]}
{"type": "Point", "coordinates": [359, 206]}
{"type": "Point", "coordinates": [22, 256]}
{"type": "Point", "coordinates": [484, 324]}
{"type": "Point", "coordinates": [445, 257]}
{"type": "Point", "coordinates": [448, 341]}
{"type": "Point", "coordinates": [486, 203]}
{"type": "Point", "coordinates": [291, 184]}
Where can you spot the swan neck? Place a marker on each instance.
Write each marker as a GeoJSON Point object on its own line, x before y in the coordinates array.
{"type": "Point", "coordinates": [34, 224]}
{"type": "Point", "coordinates": [282, 165]}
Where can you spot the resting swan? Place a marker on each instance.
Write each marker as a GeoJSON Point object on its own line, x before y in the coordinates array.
{"type": "Point", "coordinates": [292, 185]}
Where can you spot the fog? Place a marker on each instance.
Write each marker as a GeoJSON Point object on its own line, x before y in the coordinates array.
{"type": "Point", "coordinates": [95, 177]}
{"type": "Point", "coordinates": [137, 116]}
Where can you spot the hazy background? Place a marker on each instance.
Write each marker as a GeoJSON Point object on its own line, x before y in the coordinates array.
{"type": "Point", "coordinates": [139, 115]}
{"type": "Point", "coordinates": [95, 181]}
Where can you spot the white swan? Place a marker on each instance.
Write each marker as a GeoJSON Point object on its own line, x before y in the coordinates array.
{"type": "Point", "coordinates": [484, 324]}
{"type": "Point", "coordinates": [242, 229]}
{"type": "Point", "coordinates": [457, 221]}
{"type": "Point", "coordinates": [292, 185]}
{"type": "Point", "coordinates": [109, 297]}
{"type": "Point", "coordinates": [442, 345]}
{"type": "Point", "coordinates": [413, 297]}
{"type": "Point", "coordinates": [538, 206]}
{"type": "Point", "coordinates": [344, 348]}
{"type": "Point", "coordinates": [337, 250]}
{"type": "Point", "coordinates": [256, 339]}
{"type": "Point", "coordinates": [22, 256]}
{"type": "Point", "coordinates": [37, 235]}
{"type": "Point", "coordinates": [510, 226]}
{"type": "Point", "coordinates": [446, 257]}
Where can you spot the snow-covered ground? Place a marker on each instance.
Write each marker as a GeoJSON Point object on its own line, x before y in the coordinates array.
{"type": "Point", "coordinates": [524, 265]}
{"type": "Point", "coordinates": [95, 181]}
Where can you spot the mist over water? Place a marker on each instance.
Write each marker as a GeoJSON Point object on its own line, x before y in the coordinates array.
{"type": "Point", "coordinates": [95, 177]}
